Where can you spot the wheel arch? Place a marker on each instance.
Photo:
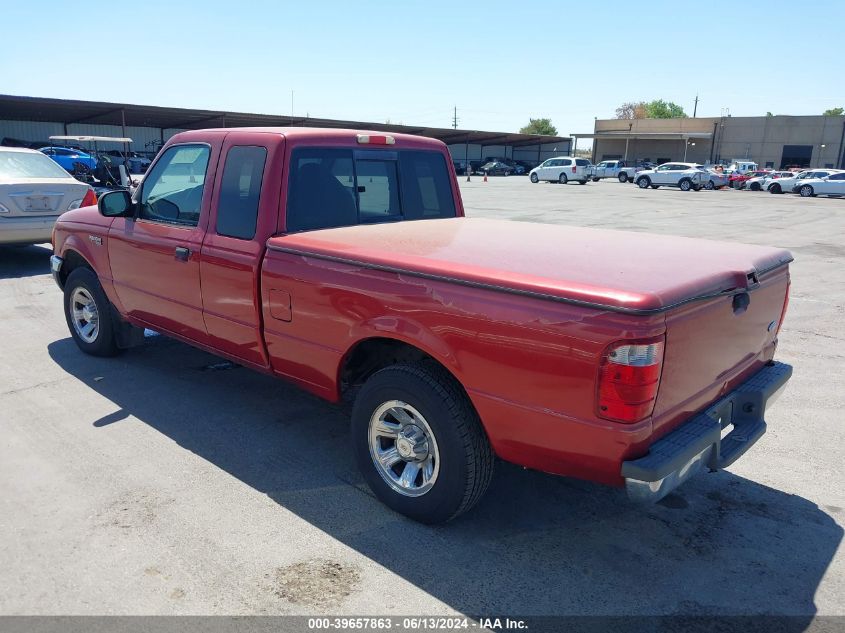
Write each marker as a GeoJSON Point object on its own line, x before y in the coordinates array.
{"type": "Point", "coordinates": [375, 351]}
{"type": "Point", "coordinates": [71, 260]}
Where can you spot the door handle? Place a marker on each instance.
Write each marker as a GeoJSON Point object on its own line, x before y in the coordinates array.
{"type": "Point", "coordinates": [183, 253]}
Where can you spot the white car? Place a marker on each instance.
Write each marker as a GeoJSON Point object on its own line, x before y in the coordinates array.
{"type": "Point", "coordinates": [761, 183]}
{"type": "Point", "coordinates": [685, 176]}
{"type": "Point", "coordinates": [788, 184]}
{"type": "Point", "coordinates": [562, 169]}
{"type": "Point", "coordinates": [34, 191]}
{"type": "Point", "coordinates": [833, 185]}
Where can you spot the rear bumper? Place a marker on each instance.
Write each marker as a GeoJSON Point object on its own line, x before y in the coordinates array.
{"type": "Point", "coordinates": [699, 444]}
{"type": "Point", "coordinates": [18, 230]}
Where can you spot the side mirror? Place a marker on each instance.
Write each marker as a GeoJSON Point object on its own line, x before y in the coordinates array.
{"type": "Point", "coordinates": [116, 204]}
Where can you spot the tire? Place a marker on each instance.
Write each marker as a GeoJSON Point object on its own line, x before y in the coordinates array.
{"type": "Point", "coordinates": [562, 179]}
{"type": "Point", "coordinates": [83, 290]}
{"type": "Point", "coordinates": [806, 191]}
{"type": "Point", "coordinates": [655, 186]}
{"type": "Point", "coordinates": [685, 184]}
{"type": "Point", "coordinates": [623, 177]}
{"type": "Point", "coordinates": [697, 187]}
{"type": "Point", "coordinates": [710, 186]}
{"type": "Point", "coordinates": [434, 403]}
{"type": "Point", "coordinates": [644, 182]}
{"type": "Point", "coordinates": [596, 179]}
{"type": "Point", "coordinates": [775, 188]}
{"type": "Point", "coordinates": [534, 178]}
{"type": "Point", "coordinates": [582, 182]}
{"type": "Point", "coordinates": [507, 173]}
{"type": "Point", "coordinates": [755, 186]}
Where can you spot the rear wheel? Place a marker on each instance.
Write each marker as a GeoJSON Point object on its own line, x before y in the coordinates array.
{"type": "Point", "coordinates": [685, 184]}
{"type": "Point", "coordinates": [755, 186]}
{"type": "Point", "coordinates": [710, 186]}
{"type": "Point", "coordinates": [623, 177]}
{"type": "Point", "coordinates": [655, 186]}
{"type": "Point", "coordinates": [534, 178]}
{"type": "Point", "coordinates": [806, 191]}
{"type": "Point", "coordinates": [562, 179]}
{"type": "Point", "coordinates": [644, 182]}
{"type": "Point", "coordinates": [595, 179]}
{"type": "Point", "coordinates": [419, 443]}
{"type": "Point", "coordinates": [582, 182]}
{"type": "Point", "coordinates": [88, 314]}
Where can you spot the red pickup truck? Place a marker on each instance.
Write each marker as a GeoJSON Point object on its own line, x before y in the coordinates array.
{"type": "Point", "coordinates": [341, 260]}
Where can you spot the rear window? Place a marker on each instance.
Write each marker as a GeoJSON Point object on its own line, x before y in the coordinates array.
{"type": "Point", "coordinates": [331, 187]}
{"type": "Point", "coordinates": [16, 165]}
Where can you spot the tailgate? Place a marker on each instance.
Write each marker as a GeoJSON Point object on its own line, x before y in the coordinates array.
{"type": "Point", "coordinates": [713, 345]}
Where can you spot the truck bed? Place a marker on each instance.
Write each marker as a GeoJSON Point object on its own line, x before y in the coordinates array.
{"type": "Point", "coordinates": [621, 271]}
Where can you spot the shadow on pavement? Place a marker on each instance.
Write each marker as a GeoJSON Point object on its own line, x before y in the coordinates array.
{"type": "Point", "coordinates": [24, 261]}
{"type": "Point", "coordinates": [536, 545]}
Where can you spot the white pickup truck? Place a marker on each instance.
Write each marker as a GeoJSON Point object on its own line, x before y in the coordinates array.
{"type": "Point", "coordinates": [622, 170]}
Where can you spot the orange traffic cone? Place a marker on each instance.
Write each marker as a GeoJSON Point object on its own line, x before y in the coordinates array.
{"type": "Point", "coordinates": [485, 176]}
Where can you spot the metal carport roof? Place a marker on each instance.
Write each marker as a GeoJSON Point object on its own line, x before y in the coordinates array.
{"type": "Point", "coordinates": [67, 111]}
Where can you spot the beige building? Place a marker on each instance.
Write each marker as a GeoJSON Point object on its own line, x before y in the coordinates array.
{"type": "Point", "coordinates": [775, 141]}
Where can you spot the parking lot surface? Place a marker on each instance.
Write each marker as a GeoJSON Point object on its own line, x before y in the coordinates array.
{"type": "Point", "coordinates": [167, 482]}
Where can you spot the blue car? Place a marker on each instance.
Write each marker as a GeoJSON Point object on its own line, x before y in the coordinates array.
{"type": "Point", "coordinates": [66, 157]}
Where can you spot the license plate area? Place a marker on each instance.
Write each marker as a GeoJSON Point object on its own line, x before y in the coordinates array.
{"type": "Point", "coordinates": [38, 203]}
{"type": "Point", "coordinates": [723, 413]}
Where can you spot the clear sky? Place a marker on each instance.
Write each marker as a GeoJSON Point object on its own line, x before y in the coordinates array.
{"type": "Point", "coordinates": [412, 62]}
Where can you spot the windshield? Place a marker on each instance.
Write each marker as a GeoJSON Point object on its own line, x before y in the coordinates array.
{"type": "Point", "coordinates": [17, 165]}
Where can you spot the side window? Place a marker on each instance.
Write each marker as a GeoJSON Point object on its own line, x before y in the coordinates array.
{"type": "Point", "coordinates": [582, 162]}
{"type": "Point", "coordinates": [172, 191]}
{"type": "Point", "coordinates": [838, 177]}
{"type": "Point", "coordinates": [240, 188]}
{"type": "Point", "coordinates": [565, 162]}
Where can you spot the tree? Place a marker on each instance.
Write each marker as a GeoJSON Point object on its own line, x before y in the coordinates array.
{"type": "Point", "coordinates": [657, 109]}
{"type": "Point", "coordinates": [631, 110]}
{"type": "Point", "coordinates": [660, 109]}
{"type": "Point", "coordinates": [833, 112]}
{"type": "Point", "coordinates": [539, 126]}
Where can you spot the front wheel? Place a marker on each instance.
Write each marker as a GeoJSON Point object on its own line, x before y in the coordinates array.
{"type": "Point", "coordinates": [534, 178]}
{"type": "Point", "coordinates": [806, 191]}
{"type": "Point", "coordinates": [88, 314]}
{"type": "Point", "coordinates": [623, 177]}
{"type": "Point", "coordinates": [755, 186]}
{"type": "Point", "coordinates": [710, 186]}
{"type": "Point", "coordinates": [582, 182]}
{"type": "Point", "coordinates": [419, 442]}
{"type": "Point", "coordinates": [685, 184]}
{"type": "Point", "coordinates": [595, 179]}
{"type": "Point", "coordinates": [562, 179]}
{"type": "Point", "coordinates": [643, 183]}
{"type": "Point", "coordinates": [775, 188]}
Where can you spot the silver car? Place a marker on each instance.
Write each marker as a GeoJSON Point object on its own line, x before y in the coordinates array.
{"type": "Point", "coordinates": [34, 191]}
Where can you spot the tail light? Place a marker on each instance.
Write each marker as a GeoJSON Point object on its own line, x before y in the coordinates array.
{"type": "Point", "coordinates": [574, 169]}
{"type": "Point", "coordinates": [629, 376]}
{"type": "Point", "coordinates": [90, 198]}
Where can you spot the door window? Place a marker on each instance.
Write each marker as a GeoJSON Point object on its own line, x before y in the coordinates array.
{"type": "Point", "coordinates": [240, 188]}
{"type": "Point", "coordinates": [172, 191]}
